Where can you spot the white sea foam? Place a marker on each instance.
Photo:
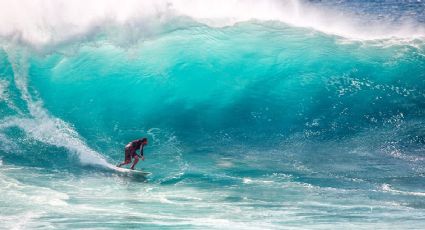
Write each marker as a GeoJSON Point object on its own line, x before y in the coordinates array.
{"type": "Point", "coordinates": [45, 22]}
{"type": "Point", "coordinates": [15, 190]}
{"type": "Point", "coordinates": [388, 188]}
{"type": "Point", "coordinates": [43, 127]}
{"type": "Point", "coordinates": [19, 221]}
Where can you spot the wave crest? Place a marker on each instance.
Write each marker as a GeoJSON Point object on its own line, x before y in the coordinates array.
{"type": "Point", "coordinates": [40, 23]}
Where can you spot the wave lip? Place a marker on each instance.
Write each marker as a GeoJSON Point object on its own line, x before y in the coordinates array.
{"type": "Point", "coordinates": [40, 23]}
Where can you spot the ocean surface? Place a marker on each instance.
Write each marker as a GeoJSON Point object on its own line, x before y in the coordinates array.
{"type": "Point", "coordinates": [259, 114]}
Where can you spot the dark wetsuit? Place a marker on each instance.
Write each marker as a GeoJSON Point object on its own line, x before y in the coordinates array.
{"type": "Point", "coordinates": [131, 148]}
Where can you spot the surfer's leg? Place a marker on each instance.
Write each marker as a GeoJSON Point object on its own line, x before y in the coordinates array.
{"type": "Point", "coordinates": [123, 163]}
{"type": "Point", "coordinates": [136, 159]}
{"type": "Point", "coordinates": [127, 158]}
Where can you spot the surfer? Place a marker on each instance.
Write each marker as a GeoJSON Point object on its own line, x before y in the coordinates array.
{"type": "Point", "coordinates": [130, 152]}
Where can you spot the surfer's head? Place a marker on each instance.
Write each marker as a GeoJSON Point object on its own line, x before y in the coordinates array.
{"type": "Point", "coordinates": [144, 141]}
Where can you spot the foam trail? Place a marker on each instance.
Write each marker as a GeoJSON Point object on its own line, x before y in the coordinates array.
{"type": "Point", "coordinates": [43, 127]}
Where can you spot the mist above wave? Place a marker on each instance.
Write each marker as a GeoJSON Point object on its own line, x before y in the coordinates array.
{"type": "Point", "coordinates": [46, 22]}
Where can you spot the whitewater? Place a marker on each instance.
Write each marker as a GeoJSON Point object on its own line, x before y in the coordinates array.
{"type": "Point", "coordinates": [259, 114]}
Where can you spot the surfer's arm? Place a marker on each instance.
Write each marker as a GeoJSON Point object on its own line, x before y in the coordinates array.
{"type": "Point", "coordinates": [141, 153]}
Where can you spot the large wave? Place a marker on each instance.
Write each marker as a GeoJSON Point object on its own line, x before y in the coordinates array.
{"type": "Point", "coordinates": [209, 85]}
{"type": "Point", "coordinates": [122, 70]}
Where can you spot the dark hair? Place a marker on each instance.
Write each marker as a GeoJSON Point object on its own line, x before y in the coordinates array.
{"type": "Point", "coordinates": [144, 139]}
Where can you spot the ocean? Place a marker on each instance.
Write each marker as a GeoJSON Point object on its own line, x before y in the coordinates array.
{"type": "Point", "coordinates": [259, 114]}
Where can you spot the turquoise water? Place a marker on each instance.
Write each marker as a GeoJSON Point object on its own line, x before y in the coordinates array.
{"type": "Point", "coordinates": [256, 125]}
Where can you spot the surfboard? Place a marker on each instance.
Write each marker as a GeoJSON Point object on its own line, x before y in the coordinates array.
{"type": "Point", "coordinates": [129, 171]}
